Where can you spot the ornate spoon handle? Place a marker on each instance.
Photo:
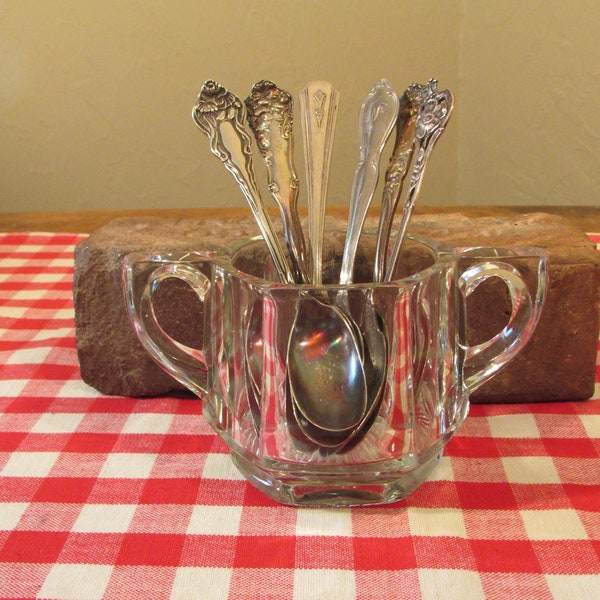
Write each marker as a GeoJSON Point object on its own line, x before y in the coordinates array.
{"type": "Point", "coordinates": [378, 114]}
{"type": "Point", "coordinates": [221, 116]}
{"type": "Point", "coordinates": [396, 171]}
{"type": "Point", "coordinates": [270, 116]}
{"type": "Point", "coordinates": [318, 105]}
{"type": "Point", "coordinates": [434, 112]}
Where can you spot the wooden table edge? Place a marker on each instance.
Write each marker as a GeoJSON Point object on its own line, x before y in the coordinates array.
{"type": "Point", "coordinates": [587, 218]}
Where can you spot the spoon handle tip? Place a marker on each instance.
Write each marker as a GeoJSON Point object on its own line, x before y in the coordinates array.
{"type": "Point", "coordinates": [270, 117]}
{"type": "Point", "coordinates": [318, 110]}
{"type": "Point", "coordinates": [221, 116]}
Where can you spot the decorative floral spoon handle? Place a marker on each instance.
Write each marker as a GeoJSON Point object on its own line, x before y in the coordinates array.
{"type": "Point", "coordinates": [318, 109]}
{"type": "Point", "coordinates": [270, 116]}
{"type": "Point", "coordinates": [433, 116]}
{"type": "Point", "coordinates": [221, 116]}
{"type": "Point", "coordinates": [378, 114]}
{"type": "Point", "coordinates": [396, 172]}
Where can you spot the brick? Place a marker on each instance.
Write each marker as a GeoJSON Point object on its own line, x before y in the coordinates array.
{"type": "Point", "coordinates": [557, 364]}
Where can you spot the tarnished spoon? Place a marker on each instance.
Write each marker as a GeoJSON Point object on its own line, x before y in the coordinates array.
{"type": "Point", "coordinates": [396, 172]}
{"type": "Point", "coordinates": [270, 116]}
{"type": "Point", "coordinates": [221, 116]}
{"type": "Point", "coordinates": [433, 115]}
{"type": "Point", "coordinates": [378, 114]}
{"type": "Point", "coordinates": [325, 367]}
{"type": "Point", "coordinates": [318, 110]}
{"type": "Point", "coordinates": [326, 377]}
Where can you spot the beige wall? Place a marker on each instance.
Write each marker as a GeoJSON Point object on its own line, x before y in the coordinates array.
{"type": "Point", "coordinates": [529, 121]}
{"type": "Point", "coordinates": [95, 97]}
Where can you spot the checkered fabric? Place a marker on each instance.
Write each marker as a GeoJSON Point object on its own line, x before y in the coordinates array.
{"type": "Point", "coordinates": [109, 497]}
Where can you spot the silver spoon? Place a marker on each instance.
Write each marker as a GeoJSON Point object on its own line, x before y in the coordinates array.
{"type": "Point", "coordinates": [308, 435]}
{"type": "Point", "coordinates": [318, 110]}
{"type": "Point", "coordinates": [397, 169]}
{"type": "Point", "coordinates": [333, 360]}
{"type": "Point", "coordinates": [221, 116]}
{"type": "Point", "coordinates": [325, 368]}
{"type": "Point", "coordinates": [326, 376]}
{"type": "Point", "coordinates": [378, 114]}
{"type": "Point", "coordinates": [270, 118]}
{"type": "Point", "coordinates": [434, 112]}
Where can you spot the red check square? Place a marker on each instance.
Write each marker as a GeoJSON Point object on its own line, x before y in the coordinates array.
{"type": "Point", "coordinates": [384, 554]}
{"type": "Point", "coordinates": [99, 443]}
{"type": "Point", "coordinates": [265, 552]}
{"type": "Point", "coordinates": [170, 491]}
{"type": "Point", "coordinates": [33, 546]}
{"type": "Point", "coordinates": [73, 490]}
{"type": "Point", "coordinates": [158, 549]}
{"type": "Point", "coordinates": [10, 441]}
{"type": "Point", "coordinates": [506, 556]}
{"type": "Point", "coordinates": [583, 497]}
{"type": "Point", "coordinates": [486, 496]}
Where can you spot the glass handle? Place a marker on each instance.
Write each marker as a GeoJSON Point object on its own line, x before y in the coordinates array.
{"type": "Point", "coordinates": [484, 360]}
{"type": "Point", "coordinates": [142, 276]}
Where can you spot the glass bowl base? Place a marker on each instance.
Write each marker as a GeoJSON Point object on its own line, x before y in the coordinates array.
{"type": "Point", "coordinates": [335, 489]}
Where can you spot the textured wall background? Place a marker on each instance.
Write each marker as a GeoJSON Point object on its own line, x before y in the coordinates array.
{"type": "Point", "coordinates": [95, 97]}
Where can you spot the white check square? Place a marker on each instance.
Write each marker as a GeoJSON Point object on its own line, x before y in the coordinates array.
{"type": "Point", "coordinates": [46, 334]}
{"type": "Point", "coordinates": [61, 262]}
{"type": "Point", "coordinates": [323, 584]}
{"type": "Point", "coordinates": [450, 584]}
{"type": "Point", "coordinates": [13, 312]}
{"type": "Point", "coordinates": [195, 582]}
{"type": "Point", "coordinates": [215, 520]}
{"type": "Point", "coordinates": [148, 423]}
{"type": "Point", "coordinates": [561, 524]}
{"type": "Point", "coordinates": [443, 471]}
{"type": "Point", "coordinates": [13, 263]}
{"type": "Point", "coordinates": [436, 522]}
{"type": "Point", "coordinates": [29, 464]}
{"type": "Point", "coordinates": [47, 277]}
{"type": "Point", "coordinates": [514, 426]}
{"type": "Point", "coordinates": [591, 424]}
{"type": "Point", "coordinates": [131, 465]}
{"type": "Point", "coordinates": [567, 587]}
{"type": "Point", "coordinates": [324, 522]}
{"type": "Point", "coordinates": [220, 466]}
{"type": "Point", "coordinates": [29, 249]}
{"type": "Point", "coordinates": [28, 356]}
{"type": "Point", "coordinates": [104, 518]}
{"type": "Point", "coordinates": [27, 295]}
{"type": "Point", "coordinates": [530, 469]}
{"type": "Point", "coordinates": [57, 423]}
{"type": "Point", "coordinates": [75, 388]}
{"type": "Point", "coordinates": [10, 514]}
{"type": "Point", "coordinates": [12, 387]}
{"type": "Point", "coordinates": [74, 582]}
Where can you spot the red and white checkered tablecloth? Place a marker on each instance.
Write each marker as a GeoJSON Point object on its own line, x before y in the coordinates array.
{"type": "Point", "coordinates": [110, 497]}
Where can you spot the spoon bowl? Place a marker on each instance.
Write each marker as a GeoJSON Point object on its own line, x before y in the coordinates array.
{"type": "Point", "coordinates": [325, 368]}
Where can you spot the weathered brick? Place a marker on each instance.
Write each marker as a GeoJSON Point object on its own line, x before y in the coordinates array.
{"type": "Point", "coordinates": [558, 363]}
